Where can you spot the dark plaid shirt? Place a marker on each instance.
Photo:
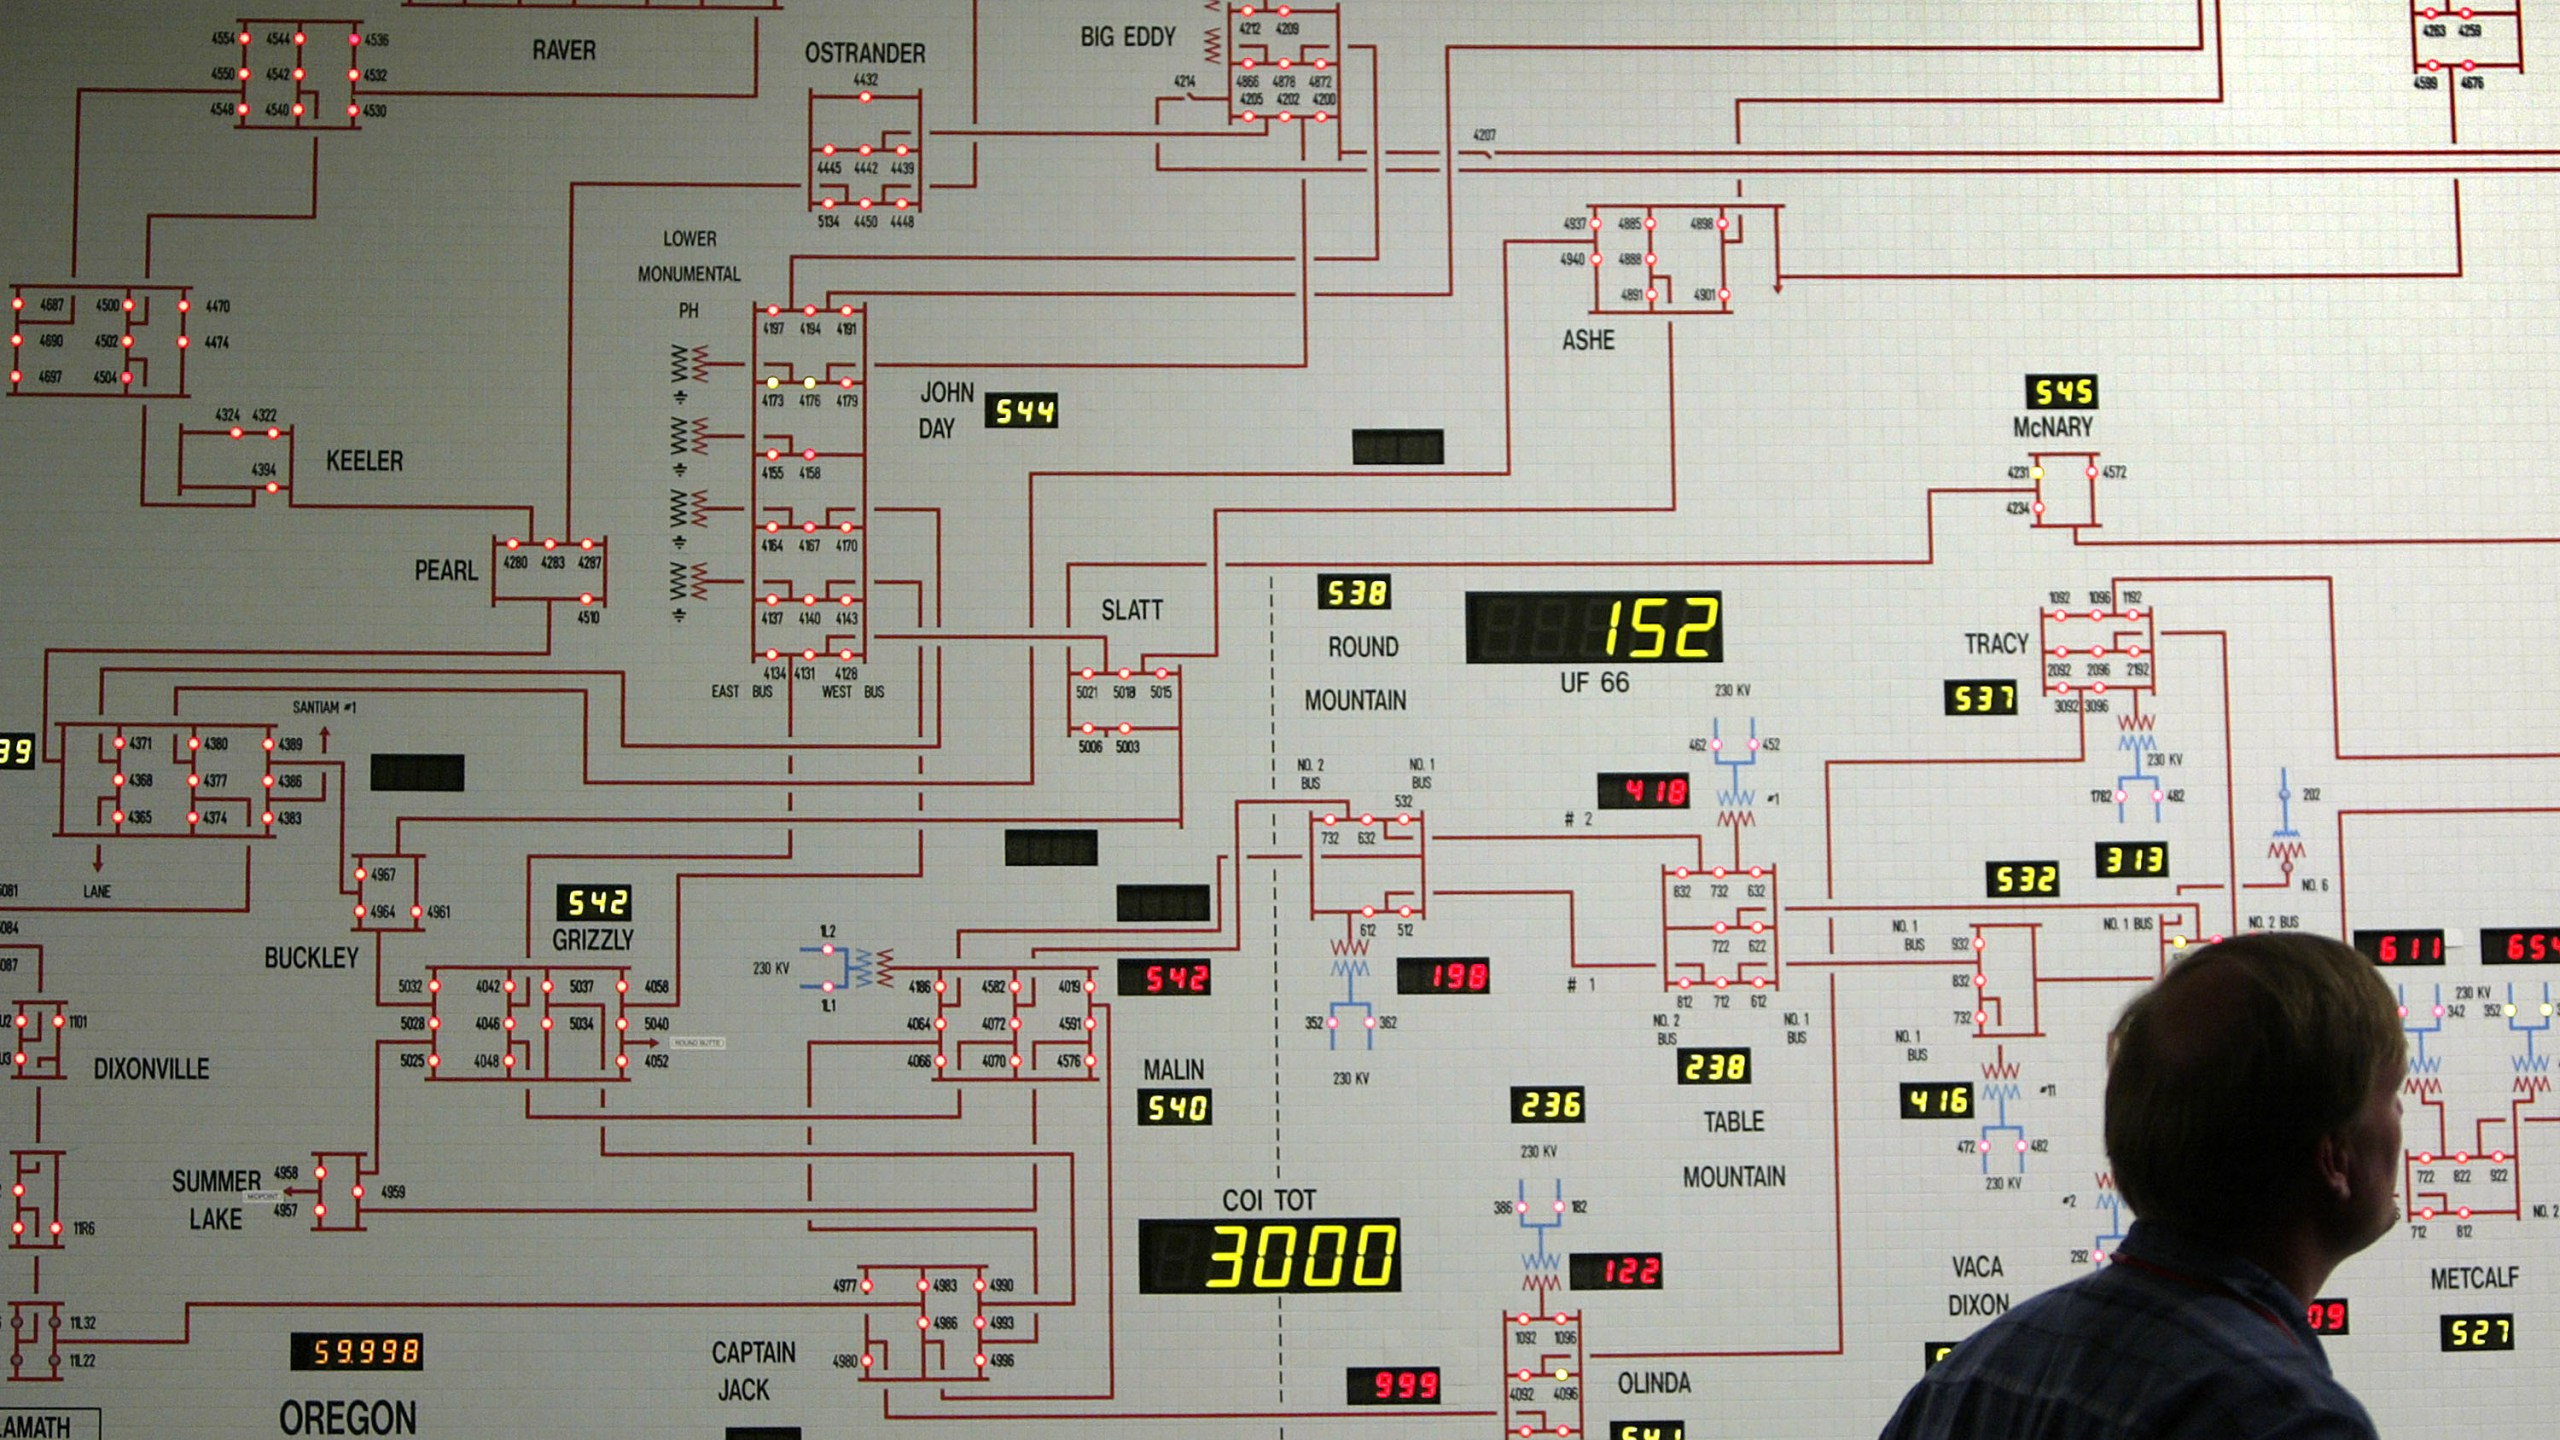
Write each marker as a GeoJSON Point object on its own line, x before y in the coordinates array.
{"type": "Point", "coordinates": [2171, 1341]}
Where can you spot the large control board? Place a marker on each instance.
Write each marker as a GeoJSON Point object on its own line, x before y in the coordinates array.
{"type": "Point", "coordinates": [776, 718]}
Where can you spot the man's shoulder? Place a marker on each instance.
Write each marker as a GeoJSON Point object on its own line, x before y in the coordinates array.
{"type": "Point", "coordinates": [2122, 1354]}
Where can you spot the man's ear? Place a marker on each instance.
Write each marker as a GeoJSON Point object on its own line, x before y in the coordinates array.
{"type": "Point", "coordinates": [2332, 1165]}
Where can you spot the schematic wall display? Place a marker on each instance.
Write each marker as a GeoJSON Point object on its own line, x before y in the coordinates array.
{"type": "Point", "coordinates": [1026, 410]}
{"type": "Point", "coordinates": [1355, 592]}
{"type": "Point", "coordinates": [2533, 945]}
{"type": "Point", "coordinates": [848, 719]}
{"type": "Point", "coordinates": [1592, 627]}
{"type": "Point", "coordinates": [1981, 697]}
{"type": "Point", "coordinates": [1147, 975]}
{"type": "Point", "coordinates": [2402, 947]}
{"type": "Point", "coordinates": [2062, 392]}
{"type": "Point", "coordinates": [358, 1350]}
{"type": "Point", "coordinates": [591, 902]}
{"type": "Point", "coordinates": [1444, 975]}
{"type": "Point", "coordinates": [1267, 1257]}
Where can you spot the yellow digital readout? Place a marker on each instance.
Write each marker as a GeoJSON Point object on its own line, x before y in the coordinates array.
{"type": "Point", "coordinates": [1546, 1104]}
{"type": "Point", "coordinates": [2476, 1332]}
{"type": "Point", "coordinates": [1937, 1099]}
{"type": "Point", "coordinates": [1332, 1257]}
{"type": "Point", "coordinates": [358, 1350]}
{"type": "Point", "coordinates": [1680, 642]}
{"type": "Point", "coordinates": [17, 750]}
{"type": "Point", "coordinates": [2124, 860]}
{"type": "Point", "coordinates": [1026, 411]}
{"type": "Point", "coordinates": [1725, 1065]}
{"type": "Point", "coordinates": [1982, 697]}
{"type": "Point", "coordinates": [1354, 592]}
{"type": "Point", "coordinates": [592, 902]}
{"type": "Point", "coordinates": [2004, 879]}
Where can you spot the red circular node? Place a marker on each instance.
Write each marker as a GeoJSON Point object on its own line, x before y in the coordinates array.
{"type": "Point", "coordinates": [1322, 64]}
{"type": "Point", "coordinates": [297, 72]}
{"type": "Point", "coordinates": [1014, 1060]}
{"type": "Point", "coordinates": [194, 817]}
{"type": "Point", "coordinates": [244, 37]}
{"type": "Point", "coordinates": [773, 309]}
{"type": "Point", "coordinates": [126, 377]}
{"type": "Point", "coordinates": [242, 107]}
{"type": "Point", "coordinates": [297, 107]}
{"type": "Point", "coordinates": [299, 37]}
{"type": "Point", "coordinates": [435, 987]}
{"type": "Point", "coordinates": [1596, 258]}
{"type": "Point", "coordinates": [354, 75]}
{"type": "Point", "coordinates": [1649, 292]}
{"type": "Point", "coordinates": [863, 204]}
{"type": "Point", "coordinates": [1247, 62]}
{"type": "Point", "coordinates": [1650, 257]}
{"type": "Point", "coordinates": [1723, 981]}
{"type": "Point", "coordinates": [621, 987]}
{"type": "Point", "coordinates": [435, 1022]}
{"type": "Point", "coordinates": [1684, 982]}
{"type": "Point", "coordinates": [512, 544]}
{"type": "Point", "coordinates": [244, 72]}
{"type": "Point", "coordinates": [355, 37]}
{"type": "Point", "coordinates": [1981, 1017]}
{"type": "Point", "coordinates": [864, 97]}
{"type": "Point", "coordinates": [182, 342]}
{"type": "Point", "coordinates": [119, 779]}
{"type": "Point", "coordinates": [2468, 65]}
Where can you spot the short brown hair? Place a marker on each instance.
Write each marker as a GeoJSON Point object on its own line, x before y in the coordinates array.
{"type": "Point", "coordinates": [2223, 1078]}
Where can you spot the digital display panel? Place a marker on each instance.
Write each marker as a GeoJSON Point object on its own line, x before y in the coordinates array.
{"type": "Point", "coordinates": [2133, 860]}
{"type": "Point", "coordinates": [2528, 945]}
{"type": "Point", "coordinates": [1444, 975]}
{"type": "Point", "coordinates": [1391, 1385]}
{"type": "Point", "coordinates": [1981, 697]}
{"type": "Point", "coordinates": [1146, 975]}
{"type": "Point", "coordinates": [17, 750]}
{"type": "Point", "coordinates": [1644, 790]}
{"type": "Point", "coordinates": [591, 902]}
{"type": "Point", "coordinates": [1614, 1270]}
{"type": "Point", "coordinates": [1937, 1099]}
{"type": "Point", "coordinates": [2004, 879]}
{"type": "Point", "coordinates": [1595, 627]}
{"type": "Point", "coordinates": [361, 1350]}
{"type": "Point", "coordinates": [1270, 1257]}
{"type": "Point", "coordinates": [2392, 948]}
